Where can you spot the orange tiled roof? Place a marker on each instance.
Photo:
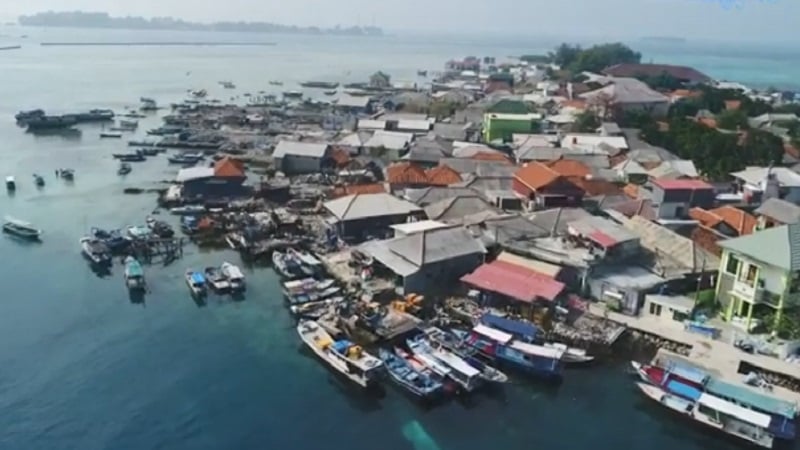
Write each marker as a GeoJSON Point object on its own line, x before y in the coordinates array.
{"type": "Point", "coordinates": [405, 173]}
{"type": "Point", "coordinates": [631, 190]}
{"type": "Point", "coordinates": [442, 176]}
{"type": "Point", "coordinates": [569, 167]}
{"type": "Point", "coordinates": [741, 221]}
{"type": "Point", "coordinates": [536, 175]}
{"type": "Point", "coordinates": [372, 188]}
{"type": "Point", "coordinates": [733, 105]}
{"type": "Point", "coordinates": [228, 167]}
{"type": "Point", "coordinates": [491, 156]}
{"type": "Point", "coordinates": [595, 186]}
{"type": "Point", "coordinates": [704, 217]}
{"type": "Point", "coordinates": [578, 104]}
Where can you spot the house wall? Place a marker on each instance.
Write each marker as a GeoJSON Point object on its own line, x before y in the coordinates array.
{"type": "Point", "coordinates": [359, 230]}
{"type": "Point", "coordinates": [659, 109]}
{"type": "Point", "coordinates": [214, 187]}
{"type": "Point", "coordinates": [628, 299]}
{"type": "Point", "coordinates": [494, 128]}
{"type": "Point", "coordinates": [440, 275]}
{"type": "Point", "coordinates": [295, 164]}
{"type": "Point", "coordinates": [675, 203]}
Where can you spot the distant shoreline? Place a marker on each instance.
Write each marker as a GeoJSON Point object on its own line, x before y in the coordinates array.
{"type": "Point", "coordinates": [157, 44]}
{"type": "Point", "coordinates": [105, 21]}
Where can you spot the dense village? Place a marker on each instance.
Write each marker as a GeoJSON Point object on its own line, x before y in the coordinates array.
{"type": "Point", "coordinates": [527, 194]}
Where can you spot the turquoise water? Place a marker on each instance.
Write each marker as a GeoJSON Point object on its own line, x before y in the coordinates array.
{"type": "Point", "coordinates": [84, 368]}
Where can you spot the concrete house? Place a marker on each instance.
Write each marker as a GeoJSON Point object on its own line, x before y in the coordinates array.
{"type": "Point", "coordinates": [759, 276]}
{"type": "Point", "coordinates": [672, 199]}
{"type": "Point", "coordinates": [294, 157]}
{"type": "Point", "coordinates": [776, 212]}
{"type": "Point", "coordinates": [224, 179]}
{"type": "Point", "coordinates": [623, 95]}
{"type": "Point", "coordinates": [360, 215]}
{"type": "Point", "coordinates": [761, 183]}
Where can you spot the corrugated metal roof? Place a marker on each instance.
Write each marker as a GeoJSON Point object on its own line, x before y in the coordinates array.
{"type": "Point", "coordinates": [363, 206]}
{"type": "Point", "coordinates": [194, 173]}
{"type": "Point", "coordinates": [391, 140]}
{"type": "Point", "coordinates": [296, 148]}
{"type": "Point", "coordinates": [353, 101]}
{"type": "Point", "coordinates": [779, 246]}
{"type": "Point", "coordinates": [550, 270]}
{"type": "Point", "coordinates": [369, 124]}
{"type": "Point", "coordinates": [780, 210]}
{"type": "Point", "coordinates": [514, 281]}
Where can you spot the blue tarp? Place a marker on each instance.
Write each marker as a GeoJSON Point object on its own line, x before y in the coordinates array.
{"type": "Point", "coordinates": [683, 390]}
{"type": "Point", "coordinates": [748, 397]}
{"type": "Point", "coordinates": [198, 277]}
{"type": "Point", "coordinates": [342, 346]}
{"type": "Point", "coordinates": [523, 330]}
{"type": "Point", "coordinates": [782, 428]}
{"type": "Point", "coordinates": [689, 373]}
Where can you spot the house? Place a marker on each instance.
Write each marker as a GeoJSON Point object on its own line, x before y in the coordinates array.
{"type": "Point", "coordinates": [674, 169]}
{"type": "Point", "coordinates": [684, 74]}
{"type": "Point", "coordinates": [353, 141]}
{"type": "Point", "coordinates": [353, 104]}
{"type": "Point", "coordinates": [761, 183]}
{"type": "Point", "coordinates": [672, 199]}
{"type": "Point", "coordinates": [429, 195]}
{"type": "Point", "coordinates": [497, 126]}
{"type": "Point", "coordinates": [453, 131]}
{"type": "Point", "coordinates": [591, 142]}
{"type": "Point", "coordinates": [608, 239]}
{"type": "Point", "coordinates": [506, 284]}
{"type": "Point", "coordinates": [767, 120]}
{"type": "Point", "coordinates": [370, 125]}
{"type": "Point", "coordinates": [624, 95]}
{"type": "Point", "coordinates": [352, 189]}
{"type": "Point", "coordinates": [726, 220]}
{"type": "Point", "coordinates": [295, 157]}
{"type": "Point", "coordinates": [393, 143]}
{"type": "Point", "coordinates": [403, 175]}
{"type": "Point", "coordinates": [759, 277]}
{"type": "Point", "coordinates": [456, 209]}
{"type": "Point", "coordinates": [609, 129]}
{"type": "Point", "coordinates": [499, 82]}
{"type": "Point", "coordinates": [427, 152]}
{"type": "Point", "coordinates": [776, 212]}
{"type": "Point", "coordinates": [357, 216]}
{"type": "Point", "coordinates": [442, 176]}
{"type": "Point", "coordinates": [509, 106]}
{"type": "Point", "coordinates": [622, 287]}
{"type": "Point", "coordinates": [542, 187]}
{"type": "Point", "coordinates": [427, 260]}
{"type": "Point", "coordinates": [224, 179]}
{"type": "Point", "coordinates": [631, 171]}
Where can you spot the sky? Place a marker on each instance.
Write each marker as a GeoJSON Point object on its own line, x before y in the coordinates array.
{"type": "Point", "coordinates": [767, 20]}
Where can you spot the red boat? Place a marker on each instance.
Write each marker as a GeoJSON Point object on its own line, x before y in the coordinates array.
{"type": "Point", "coordinates": [659, 376]}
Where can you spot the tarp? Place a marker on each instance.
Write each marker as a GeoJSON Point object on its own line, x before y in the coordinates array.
{"type": "Point", "coordinates": [683, 390]}
{"type": "Point", "coordinates": [198, 277]}
{"type": "Point", "coordinates": [523, 330]}
{"type": "Point", "coordinates": [342, 346]}
{"type": "Point", "coordinates": [689, 374]}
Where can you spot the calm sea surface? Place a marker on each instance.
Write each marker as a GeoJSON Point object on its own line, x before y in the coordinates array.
{"type": "Point", "coordinates": [81, 367]}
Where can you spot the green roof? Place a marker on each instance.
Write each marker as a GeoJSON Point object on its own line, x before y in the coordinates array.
{"type": "Point", "coordinates": [778, 247]}
{"type": "Point", "coordinates": [508, 106]}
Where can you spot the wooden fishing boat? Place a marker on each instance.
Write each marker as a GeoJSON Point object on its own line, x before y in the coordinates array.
{"type": "Point", "coordinates": [440, 339]}
{"type": "Point", "coordinates": [467, 377]}
{"type": "Point", "coordinates": [415, 382]}
{"type": "Point", "coordinates": [343, 356]}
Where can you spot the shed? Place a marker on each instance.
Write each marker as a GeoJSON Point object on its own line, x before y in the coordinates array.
{"type": "Point", "coordinates": [295, 157]}
{"type": "Point", "coordinates": [514, 282]}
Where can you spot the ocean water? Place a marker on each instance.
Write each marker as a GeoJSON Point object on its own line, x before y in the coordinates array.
{"type": "Point", "coordinates": [82, 367]}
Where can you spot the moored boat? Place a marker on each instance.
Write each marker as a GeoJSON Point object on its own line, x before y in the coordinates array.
{"type": "Point", "coordinates": [124, 169]}
{"type": "Point", "coordinates": [418, 383]}
{"type": "Point", "coordinates": [21, 229]}
{"type": "Point", "coordinates": [293, 94]}
{"type": "Point", "coordinates": [196, 283]}
{"type": "Point", "coordinates": [96, 251]}
{"type": "Point", "coordinates": [216, 279]}
{"type": "Point", "coordinates": [67, 174]}
{"type": "Point", "coordinates": [187, 158]}
{"type": "Point", "coordinates": [343, 356]}
{"type": "Point", "coordinates": [137, 156]}
{"type": "Point", "coordinates": [286, 265]}
{"type": "Point", "coordinates": [110, 135]}
{"type": "Point", "coordinates": [234, 275]}
{"type": "Point", "coordinates": [11, 183]}
{"type": "Point", "coordinates": [188, 210]}
{"type": "Point", "coordinates": [320, 84]}
{"type": "Point", "coordinates": [467, 377]}
{"type": "Point", "coordinates": [440, 339]}
{"type": "Point", "coordinates": [134, 274]}
{"type": "Point", "coordinates": [572, 355]}
{"type": "Point", "coordinates": [38, 180]}
{"type": "Point", "coordinates": [113, 239]}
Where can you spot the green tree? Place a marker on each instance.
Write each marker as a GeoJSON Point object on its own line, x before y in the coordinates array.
{"type": "Point", "coordinates": [536, 59]}
{"type": "Point", "coordinates": [663, 81]}
{"type": "Point", "coordinates": [599, 57]}
{"type": "Point", "coordinates": [732, 120]}
{"type": "Point", "coordinates": [585, 122]}
{"type": "Point", "coordinates": [565, 54]}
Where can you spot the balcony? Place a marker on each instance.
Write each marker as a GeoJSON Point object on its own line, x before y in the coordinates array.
{"type": "Point", "coordinates": [754, 294]}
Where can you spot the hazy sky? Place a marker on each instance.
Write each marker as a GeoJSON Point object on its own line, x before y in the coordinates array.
{"type": "Point", "coordinates": [773, 20]}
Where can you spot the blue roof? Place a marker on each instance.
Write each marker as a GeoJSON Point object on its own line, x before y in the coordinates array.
{"type": "Point", "coordinates": [518, 328]}
{"type": "Point", "coordinates": [198, 277]}
{"type": "Point", "coordinates": [689, 373]}
{"type": "Point", "coordinates": [683, 390]}
{"type": "Point", "coordinates": [748, 397]}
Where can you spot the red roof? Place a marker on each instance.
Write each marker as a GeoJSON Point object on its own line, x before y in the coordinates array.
{"type": "Point", "coordinates": [406, 173]}
{"type": "Point", "coordinates": [536, 175]}
{"type": "Point", "coordinates": [442, 176]}
{"type": "Point", "coordinates": [569, 167]}
{"type": "Point", "coordinates": [228, 167]}
{"type": "Point", "coordinates": [514, 281]}
{"type": "Point", "coordinates": [372, 188]}
{"type": "Point", "coordinates": [667, 184]}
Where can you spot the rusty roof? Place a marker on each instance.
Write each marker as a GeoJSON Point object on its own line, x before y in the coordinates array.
{"type": "Point", "coordinates": [536, 175]}
{"type": "Point", "coordinates": [442, 176]}
{"type": "Point", "coordinates": [228, 167]}
{"type": "Point", "coordinates": [371, 188]}
{"type": "Point", "coordinates": [406, 173]}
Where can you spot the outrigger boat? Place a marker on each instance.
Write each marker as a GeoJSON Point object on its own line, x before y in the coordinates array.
{"type": "Point", "coordinates": [343, 356]}
{"type": "Point", "coordinates": [417, 382]}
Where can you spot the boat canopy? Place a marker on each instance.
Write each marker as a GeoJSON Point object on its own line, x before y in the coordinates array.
{"type": "Point", "coordinates": [491, 333]}
{"type": "Point", "coordinates": [689, 373]}
{"type": "Point", "coordinates": [233, 271]}
{"type": "Point", "coordinates": [537, 350]}
{"type": "Point", "coordinates": [133, 268]}
{"type": "Point", "coordinates": [747, 396]}
{"type": "Point", "coordinates": [683, 390]}
{"type": "Point", "coordinates": [457, 364]}
{"type": "Point", "coordinates": [731, 409]}
{"type": "Point", "coordinates": [198, 277]}
{"type": "Point", "coordinates": [524, 330]}
{"type": "Point", "coordinates": [783, 428]}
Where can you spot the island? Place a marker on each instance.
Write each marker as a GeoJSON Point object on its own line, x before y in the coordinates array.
{"type": "Point", "coordinates": [80, 19]}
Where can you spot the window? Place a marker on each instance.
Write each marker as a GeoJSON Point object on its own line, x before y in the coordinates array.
{"type": "Point", "coordinates": [655, 309]}
{"type": "Point", "coordinates": [732, 266]}
{"type": "Point", "coordinates": [748, 275]}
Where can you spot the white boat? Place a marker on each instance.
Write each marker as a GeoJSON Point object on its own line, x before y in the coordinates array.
{"type": "Point", "coordinates": [234, 275]}
{"type": "Point", "coordinates": [96, 251]}
{"type": "Point", "coordinates": [196, 282]}
{"type": "Point", "coordinates": [216, 279]}
{"type": "Point", "coordinates": [343, 356]}
{"type": "Point", "coordinates": [188, 210]}
{"type": "Point", "coordinates": [21, 229]}
{"type": "Point", "coordinates": [715, 413]}
{"type": "Point", "coordinates": [571, 355]}
{"type": "Point", "coordinates": [11, 184]}
{"type": "Point", "coordinates": [466, 376]}
{"type": "Point", "coordinates": [134, 274]}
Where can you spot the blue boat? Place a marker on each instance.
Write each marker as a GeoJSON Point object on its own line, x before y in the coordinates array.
{"type": "Point", "coordinates": [535, 360]}
{"type": "Point", "coordinates": [525, 331]}
{"type": "Point", "coordinates": [113, 239]}
{"type": "Point", "coordinates": [134, 274]}
{"type": "Point", "coordinates": [197, 283]}
{"type": "Point", "coordinates": [407, 377]}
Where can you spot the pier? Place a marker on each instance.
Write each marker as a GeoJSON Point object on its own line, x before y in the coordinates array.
{"type": "Point", "coordinates": [154, 250]}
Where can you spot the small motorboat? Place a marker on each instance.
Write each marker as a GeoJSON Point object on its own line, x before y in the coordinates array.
{"type": "Point", "coordinates": [67, 174]}
{"type": "Point", "coordinates": [188, 158]}
{"type": "Point", "coordinates": [152, 151]}
{"type": "Point", "coordinates": [113, 239]}
{"type": "Point", "coordinates": [216, 279]}
{"type": "Point", "coordinates": [293, 94]}
{"type": "Point", "coordinates": [96, 251]}
{"type": "Point", "coordinates": [196, 282]}
{"type": "Point", "coordinates": [422, 73]}
{"type": "Point", "coordinates": [283, 265]}
{"type": "Point", "coordinates": [138, 232]}
{"type": "Point", "coordinates": [137, 156]}
{"type": "Point", "coordinates": [315, 310]}
{"type": "Point", "coordinates": [234, 275]}
{"type": "Point", "coordinates": [21, 229]}
{"type": "Point", "coordinates": [276, 83]}
{"type": "Point", "coordinates": [571, 355]}
{"type": "Point", "coordinates": [330, 93]}
{"type": "Point", "coordinates": [124, 169]}
{"type": "Point", "coordinates": [188, 210]}
{"type": "Point", "coordinates": [11, 183]}
{"type": "Point", "coordinates": [418, 383]}
{"type": "Point", "coordinates": [38, 180]}
{"type": "Point", "coordinates": [110, 135]}
{"type": "Point", "coordinates": [160, 228]}
{"type": "Point", "coordinates": [134, 274]}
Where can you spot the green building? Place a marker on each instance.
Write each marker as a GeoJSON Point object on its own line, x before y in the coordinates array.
{"type": "Point", "coordinates": [498, 126]}
{"type": "Point", "coordinates": [759, 277]}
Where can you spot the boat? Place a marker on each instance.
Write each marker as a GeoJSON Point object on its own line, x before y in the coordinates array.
{"type": "Point", "coordinates": [440, 339]}
{"type": "Point", "coordinates": [96, 251]}
{"type": "Point", "coordinates": [422, 73]}
{"type": "Point", "coordinates": [309, 290]}
{"type": "Point", "coordinates": [330, 93]}
{"type": "Point", "coordinates": [38, 180]}
{"type": "Point", "coordinates": [304, 260]}
{"type": "Point", "coordinates": [534, 360]}
{"type": "Point", "coordinates": [67, 174]}
{"type": "Point", "coordinates": [315, 310]}
{"type": "Point", "coordinates": [528, 332]}
{"type": "Point", "coordinates": [188, 210]}
{"type": "Point", "coordinates": [434, 370]}
{"type": "Point", "coordinates": [200, 93]}
{"type": "Point", "coordinates": [124, 169]}
{"type": "Point", "coordinates": [187, 158]}
{"type": "Point", "coordinates": [50, 122]}
{"type": "Point", "coordinates": [276, 83]}
{"type": "Point", "coordinates": [11, 183]}
{"type": "Point", "coordinates": [714, 413]}
{"type": "Point", "coordinates": [113, 239]}
{"type": "Point", "coordinates": [196, 282]}
{"type": "Point", "coordinates": [227, 84]}
{"type": "Point", "coordinates": [234, 275]}
{"type": "Point", "coordinates": [216, 279]}
{"type": "Point", "coordinates": [110, 135]}
{"type": "Point", "coordinates": [572, 355]}
{"type": "Point", "coordinates": [285, 265]}
{"type": "Point", "coordinates": [137, 156]}
{"type": "Point", "coordinates": [467, 377]}
{"type": "Point", "coordinates": [320, 84]}
{"type": "Point", "coordinates": [134, 274]}
{"type": "Point", "coordinates": [21, 229]}
{"type": "Point", "coordinates": [95, 115]}
{"type": "Point", "coordinates": [293, 94]}
{"type": "Point", "coordinates": [139, 233]}
{"type": "Point", "coordinates": [418, 383]}
{"type": "Point", "coordinates": [346, 358]}
{"type": "Point", "coordinates": [24, 116]}
{"type": "Point", "coordinates": [159, 227]}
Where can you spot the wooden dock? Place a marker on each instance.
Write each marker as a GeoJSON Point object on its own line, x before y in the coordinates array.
{"type": "Point", "coordinates": [164, 250]}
